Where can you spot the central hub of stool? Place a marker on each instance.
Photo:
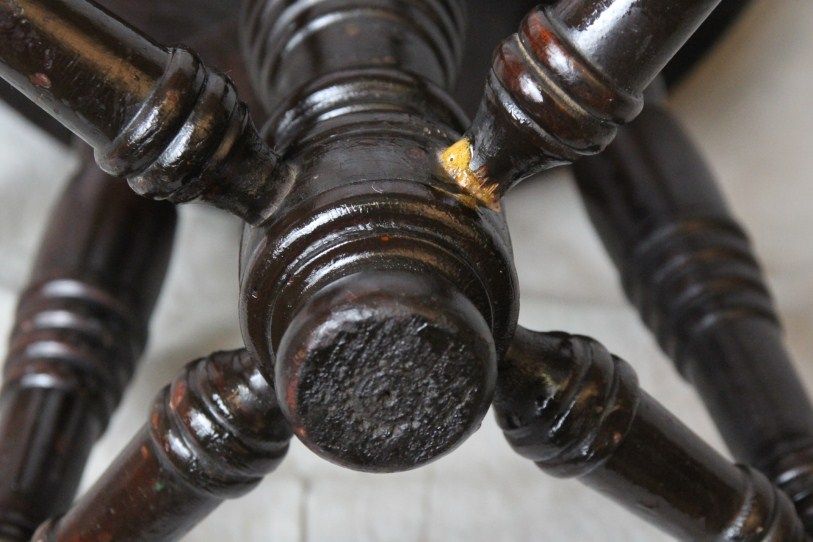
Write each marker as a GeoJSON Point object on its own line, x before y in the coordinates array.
{"type": "Point", "coordinates": [385, 371]}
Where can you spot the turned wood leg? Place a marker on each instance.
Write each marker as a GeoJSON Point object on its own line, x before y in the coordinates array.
{"type": "Point", "coordinates": [576, 410]}
{"type": "Point", "coordinates": [687, 265]}
{"type": "Point", "coordinates": [703, 41]}
{"type": "Point", "coordinates": [378, 296]}
{"type": "Point", "coordinates": [81, 325]}
{"type": "Point", "coordinates": [33, 114]}
{"type": "Point", "coordinates": [212, 434]}
{"type": "Point", "coordinates": [174, 127]}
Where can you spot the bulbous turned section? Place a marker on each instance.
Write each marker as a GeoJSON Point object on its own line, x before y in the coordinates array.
{"type": "Point", "coordinates": [559, 88]}
{"type": "Point", "coordinates": [379, 293]}
{"type": "Point", "coordinates": [157, 115]}
{"type": "Point", "coordinates": [574, 409]}
{"type": "Point", "coordinates": [386, 370]}
{"type": "Point", "coordinates": [212, 434]}
{"type": "Point", "coordinates": [372, 217]}
{"type": "Point", "coordinates": [322, 36]}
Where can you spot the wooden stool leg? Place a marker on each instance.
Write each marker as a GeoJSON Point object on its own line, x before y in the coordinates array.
{"type": "Point", "coordinates": [687, 265]}
{"type": "Point", "coordinates": [212, 435]}
{"type": "Point", "coordinates": [80, 327]}
{"type": "Point", "coordinates": [158, 116]}
{"type": "Point", "coordinates": [561, 85]}
{"type": "Point", "coordinates": [703, 41]}
{"type": "Point", "coordinates": [576, 410]}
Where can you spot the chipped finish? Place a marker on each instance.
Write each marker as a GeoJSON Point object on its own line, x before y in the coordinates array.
{"type": "Point", "coordinates": [81, 325]}
{"type": "Point", "coordinates": [212, 435]}
{"type": "Point", "coordinates": [655, 203]}
{"type": "Point", "coordinates": [456, 161]}
{"type": "Point", "coordinates": [569, 405]}
{"type": "Point", "coordinates": [158, 116]}
{"type": "Point", "coordinates": [576, 69]}
{"type": "Point", "coordinates": [370, 206]}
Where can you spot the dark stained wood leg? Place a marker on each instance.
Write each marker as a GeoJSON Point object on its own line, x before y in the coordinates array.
{"type": "Point", "coordinates": [33, 114]}
{"type": "Point", "coordinates": [81, 325]}
{"type": "Point", "coordinates": [174, 127]}
{"type": "Point", "coordinates": [378, 296]}
{"type": "Point", "coordinates": [489, 23]}
{"type": "Point", "coordinates": [687, 265]}
{"type": "Point", "coordinates": [212, 435]}
{"type": "Point", "coordinates": [559, 88]}
{"type": "Point", "coordinates": [576, 410]}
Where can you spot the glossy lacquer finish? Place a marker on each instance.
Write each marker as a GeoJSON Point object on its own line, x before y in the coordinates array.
{"type": "Point", "coordinates": [212, 434]}
{"type": "Point", "coordinates": [489, 23]}
{"type": "Point", "coordinates": [687, 265]}
{"type": "Point", "coordinates": [158, 116]}
{"type": "Point", "coordinates": [209, 26]}
{"type": "Point", "coordinates": [559, 88]}
{"type": "Point", "coordinates": [569, 405]}
{"type": "Point", "coordinates": [379, 295]}
{"type": "Point", "coordinates": [80, 327]}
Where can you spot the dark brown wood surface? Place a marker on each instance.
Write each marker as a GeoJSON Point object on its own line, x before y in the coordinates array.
{"type": "Point", "coordinates": [212, 435]}
{"type": "Point", "coordinates": [373, 247]}
{"type": "Point", "coordinates": [687, 265]}
{"type": "Point", "coordinates": [80, 327]}
{"type": "Point", "coordinates": [559, 88]}
{"type": "Point", "coordinates": [703, 42]}
{"type": "Point", "coordinates": [159, 117]}
{"type": "Point", "coordinates": [576, 410]}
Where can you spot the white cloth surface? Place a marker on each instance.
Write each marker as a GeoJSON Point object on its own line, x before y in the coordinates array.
{"type": "Point", "coordinates": [748, 107]}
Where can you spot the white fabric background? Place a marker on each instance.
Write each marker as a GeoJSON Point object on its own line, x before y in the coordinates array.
{"type": "Point", "coordinates": [748, 107]}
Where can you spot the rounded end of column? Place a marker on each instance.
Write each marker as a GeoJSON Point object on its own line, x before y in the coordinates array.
{"type": "Point", "coordinates": [386, 371]}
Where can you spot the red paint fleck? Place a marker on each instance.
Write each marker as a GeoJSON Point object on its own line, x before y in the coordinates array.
{"type": "Point", "coordinates": [40, 80]}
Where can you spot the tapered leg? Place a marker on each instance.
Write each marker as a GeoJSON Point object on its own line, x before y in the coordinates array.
{"type": "Point", "coordinates": [212, 434]}
{"type": "Point", "coordinates": [576, 410]}
{"type": "Point", "coordinates": [687, 265]}
{"type": "Point", "coordinates": [81, 325]}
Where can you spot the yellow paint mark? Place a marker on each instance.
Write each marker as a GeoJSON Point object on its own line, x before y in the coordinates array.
{"type": "Point", "coordinates": [456, 162]}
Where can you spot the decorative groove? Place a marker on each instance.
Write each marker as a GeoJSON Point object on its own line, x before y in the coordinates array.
{"type": "Point", "coordinates": [570, 430]}
{"type": "Point", "coordinates": [218, 440]}
{"type": "Point", "coordinates": [181, 142]}
{"type": "Point", "coordinates": [688, 267]}
{"type": "Point", "coordinates": [765, 514]}
{"type": "Point", "coordinates": [573, 408]}
{"type": "Point", "coordinates": [159, 116]}
{"type": "Point", "coordinates": [69, 328]}
{"type": "Point", "coordinates": [375, 99]}
{"type": "Point", "coordinates": [690, 275]}
{"type": "Point", "coordinates": [213, 433]}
